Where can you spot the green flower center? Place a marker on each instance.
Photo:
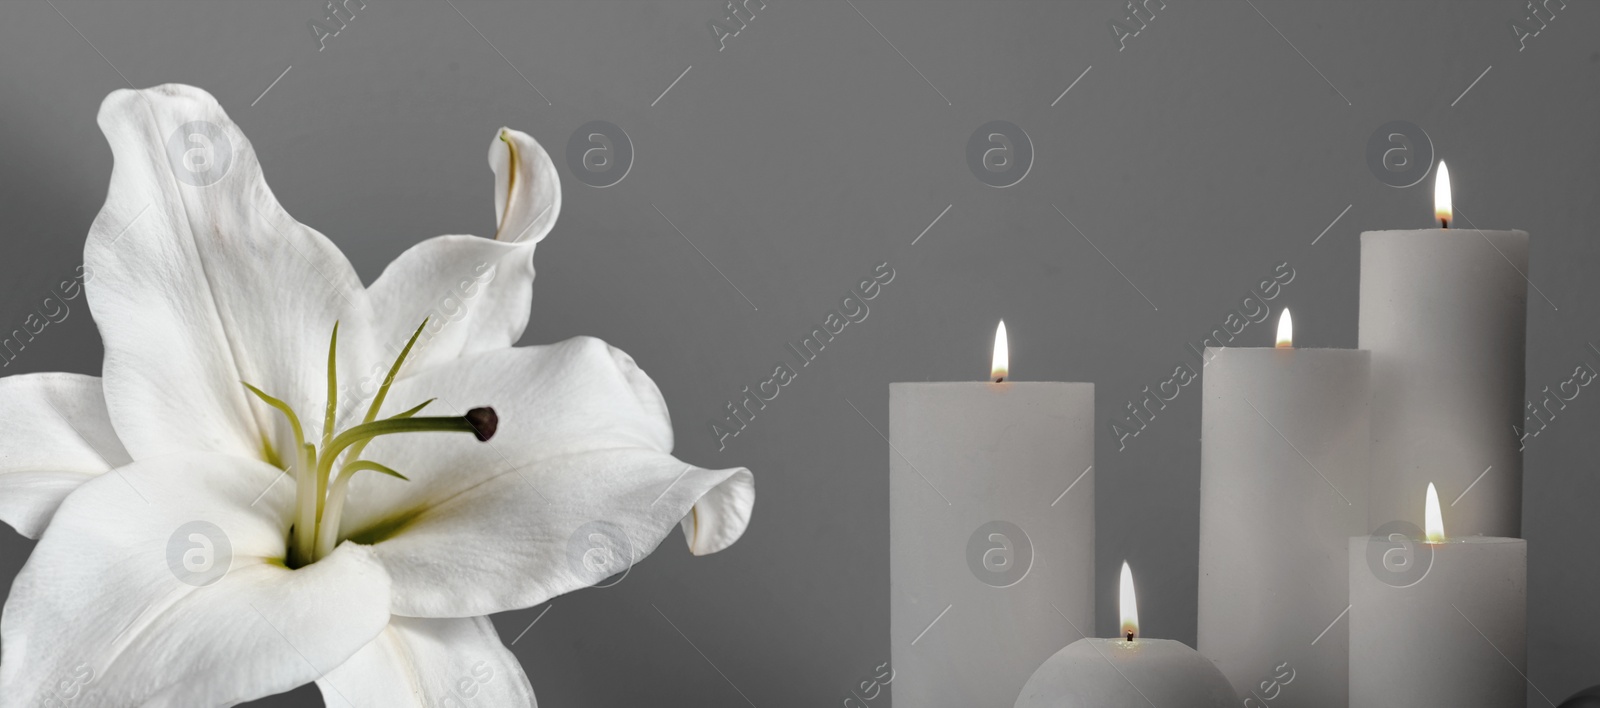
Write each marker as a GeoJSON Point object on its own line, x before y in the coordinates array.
{"type": "Point", "coordinates": [319, 492]}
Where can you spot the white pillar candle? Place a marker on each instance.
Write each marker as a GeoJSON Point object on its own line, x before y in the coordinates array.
{"type": "Point", "coordinates": [1438, 625]}
{"type": "Point", "coordinates": [991, 520]}
{"type": "Point", "coordinates": [1127, 672]}
{"type": "Point", "coordinates": [1444, 313]}
{"type": "Point", "coordinates": [1283, 487]}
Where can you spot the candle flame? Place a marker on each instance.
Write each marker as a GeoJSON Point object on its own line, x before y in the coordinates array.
{"type": "Point", "coordinates": [1129, 605]}
{"type": "Point", "coordinates": [1285, 330]}
{"type": "Point", "coordinates": [1441, 196]}
{"type": "Point", "coordinates": [1002, 354]}
{"type": "Point", "coordinates": [1432, 522]}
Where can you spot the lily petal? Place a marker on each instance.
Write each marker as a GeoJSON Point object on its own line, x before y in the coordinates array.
{"type": "Point", "coordinates": [131, 599]}
{"type": "Point", "coordinates": [720, 517]}
{"type": "Point", "coordinates": [202, 280]}
{"type": "Point", "coordinates": [431, 663]}
{"type": "Point", "coordinates": [527, 197]}
{"type": "Point", "coordinates": [58, 437]}
{"type": "Point", "coordinates": [555, 400]}
{"type": "Point", "coordinates": [529, 534]}
{"type": "Point", "coordinates": [475, 292]}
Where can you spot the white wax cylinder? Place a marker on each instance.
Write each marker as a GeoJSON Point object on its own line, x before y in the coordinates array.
{"type": "Point", "coordinates": [1446, 631]}
{"type": "Point", "coordinates": [1283, 487]}
{"type": "Point", "coordinates": [1444, 313]}
{"type": "Point", "coordinates": [1115, 673]}
{"type": "Point", "coordinates": [991, 521]}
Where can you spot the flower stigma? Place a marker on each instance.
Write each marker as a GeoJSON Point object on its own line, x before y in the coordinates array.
{"type": "Point", "coordinates": [320, 492]}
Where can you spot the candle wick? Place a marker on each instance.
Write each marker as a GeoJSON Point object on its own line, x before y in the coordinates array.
{"type": "Point", "coordinates": [1444, 223]}
{"type": "Point", "coordinates": [1130, 635]}
{"type": "Point", "coordinates": [999, 379]}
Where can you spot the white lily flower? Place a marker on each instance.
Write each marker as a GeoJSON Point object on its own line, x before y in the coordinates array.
{"type": "Point", "coordinates": [206, 543]}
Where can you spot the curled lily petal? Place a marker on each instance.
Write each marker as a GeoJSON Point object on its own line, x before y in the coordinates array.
{"type": "Point", "coordinates": [476, 292]}
{"type": "Point", "coordinates": [527, 190]}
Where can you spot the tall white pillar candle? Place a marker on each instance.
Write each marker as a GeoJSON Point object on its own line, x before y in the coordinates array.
{"type": "Point", "coordinates": [1438, 625]}
{"type": "Point", "coordinates": [1283, 487]}
{"type": "Point", "coordinates": [1444, 313]}
{"type": "Point", "coordinates": [991, 521]}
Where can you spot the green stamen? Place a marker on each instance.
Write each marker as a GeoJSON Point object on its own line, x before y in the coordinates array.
{"type": "Point", "coordinates": [429, 424]}
{"type": "Point", "coordinates": [413, 411]}
{"type": "Point", "coordinates": [294, 420]}
{"type": "Point", "coordinates": [383, 391]}
{"type": "Point", "coordinates": [391, 426]}
{"type": "Point", "coordinates": [319, 500]}
{"type": "Point", "coordinates": [358, 448]}
{"type": "Point", "coordinates": [328, 531]}
{"type": "Point", "coordinates": [333, 387]}
{"type": "Point", "coordinates": [328, 416]}
{"type": "Point", "coordinates": [364, 465]}
{"type": "Point", "coordinates": [394, 370]}
{"type": "Point", "coordinates": [306, 489]}
{"type": "Point", "coordinates": [305, 464]}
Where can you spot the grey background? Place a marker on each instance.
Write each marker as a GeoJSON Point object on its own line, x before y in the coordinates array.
{"type": "Point", "coordinates": [808, 151]}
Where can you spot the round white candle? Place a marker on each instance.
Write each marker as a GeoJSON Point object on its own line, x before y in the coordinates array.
{"type": "Point", "coordinates": [1283, 487]}
{"type": "Point", "coordinates": [1438, 625]}
{"type": "Point", "coordinates": [1116, 673]}
{"type": "Point", "coordinates": [1444, 313]}
{"type": "Point", "coordinates": [991, 521]}
{"type": "Point", "coordinates": [1126, 673]}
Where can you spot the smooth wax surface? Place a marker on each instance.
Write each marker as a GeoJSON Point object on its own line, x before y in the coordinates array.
{"type": "Point", "coordinates": [1283, 487]}
{"type": "Point", "coordinates": [1444, 313]}
{"type": "Point", "coordinates": [1454, 638]}
{"type": "Point", "coordinates": [985, 536]}
{"type": "Point", "coordinates": [1116, 673]}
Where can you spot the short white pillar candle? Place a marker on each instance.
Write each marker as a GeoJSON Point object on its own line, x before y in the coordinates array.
{"type": "Point", "coordinates": [1438, 622]}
